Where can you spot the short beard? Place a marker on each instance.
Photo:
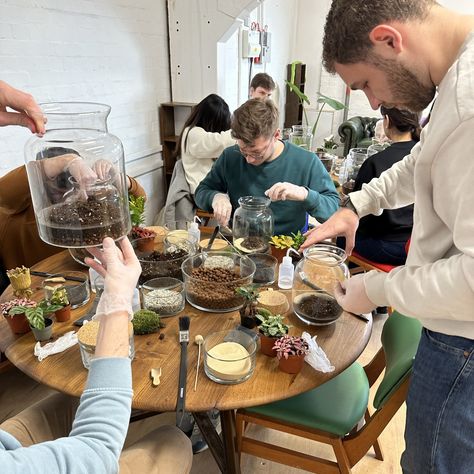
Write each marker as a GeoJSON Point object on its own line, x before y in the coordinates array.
{"type": "Point", "coordinates": [408, 92]}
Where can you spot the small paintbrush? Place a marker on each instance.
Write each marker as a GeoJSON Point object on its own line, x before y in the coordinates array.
{"type": "Point", "coordinates": [184, 322]}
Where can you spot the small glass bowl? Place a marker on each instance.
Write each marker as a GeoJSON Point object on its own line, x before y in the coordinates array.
{"type": "Point", "coordinates": [229, 356]}
{"type": "Point", "coordinates": [218, 245]}
{"type": "Point", "coordinates": [87, 337]}
{"type": "Point", "coordinates": [163, 295]}
{"type": "Point", "coordinates": [266, 268]}
{"type": "Point", "coordinates": [75, 283]}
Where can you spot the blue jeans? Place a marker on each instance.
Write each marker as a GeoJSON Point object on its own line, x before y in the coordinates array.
{"type": "Point", "coordinates": [439, 433]}
{"type": "Point", "coordinates": [381, 251]}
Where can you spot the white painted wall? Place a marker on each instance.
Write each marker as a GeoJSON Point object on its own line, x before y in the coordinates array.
{"type": "Point", "coordinates": [111, 51]}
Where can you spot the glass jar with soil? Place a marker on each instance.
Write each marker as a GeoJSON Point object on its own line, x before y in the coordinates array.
{"type": "Point", "coordinates": [316, 277]}
{"type": "Point", "coordinates": [77, 179]}
{"type": "Point", "coordinates": [252, 226]}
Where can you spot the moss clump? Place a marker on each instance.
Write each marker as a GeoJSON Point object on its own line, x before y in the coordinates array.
{"type": "Point", "coordinates": [145, 322]}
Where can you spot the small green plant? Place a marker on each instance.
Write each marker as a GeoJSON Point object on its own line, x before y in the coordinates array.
{"type": "Point", "coordinates": [36, 314]}
{"type": "Point", "coordinates": [249, 309]}
{"type": "Point", "coordinates": [8, 305]}
{"type": "Point", "coordinates": [329, 143]}
{"type": "Point", "coordinates": [145, 321]}
{"type": "Point", "coordinates": [303, 98]}
{"type": "Point", "coordinates": [272, 325]}
{"type": "Point", "coordinates": [137, 210]}
{"type": "Point", "coordinates": [298, 240]}
{"type": "Point", "coordinates": [59, 297]}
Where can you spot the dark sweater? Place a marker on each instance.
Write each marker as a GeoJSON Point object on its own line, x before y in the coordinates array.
{"type": "Point", "coordinates": [394, 225]}
{"type": "Point", "coordinates": [232, 174]}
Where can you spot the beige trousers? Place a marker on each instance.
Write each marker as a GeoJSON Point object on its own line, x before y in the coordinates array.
{"type": "Point", "coordinates": [149, 448]}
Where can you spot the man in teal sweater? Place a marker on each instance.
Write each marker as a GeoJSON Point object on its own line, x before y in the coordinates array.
{"type": "Point", "coordinates": [261, 164]}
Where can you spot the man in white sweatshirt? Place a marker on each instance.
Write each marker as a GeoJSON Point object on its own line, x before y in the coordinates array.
{"type": "Point", "coordinates": [399, 52]}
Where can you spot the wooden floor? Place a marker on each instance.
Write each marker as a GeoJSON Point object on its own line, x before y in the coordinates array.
{"type": "Point", "coordinates": [13, 400]}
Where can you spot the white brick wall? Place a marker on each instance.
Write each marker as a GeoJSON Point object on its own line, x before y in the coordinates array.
{"type": "Point", "coordinates": [111, 51]}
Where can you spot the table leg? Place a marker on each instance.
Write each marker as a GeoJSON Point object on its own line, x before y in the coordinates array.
{"type": "Point", "coordinates": [223, 451]}
{"type": "Point", "coordinates": [232, 460]}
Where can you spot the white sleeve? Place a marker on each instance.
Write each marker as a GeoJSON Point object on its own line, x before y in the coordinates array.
{"type": "Point", "coordinates": [202, 144]}
{"type": "Point", "coordinates": [392, 190]}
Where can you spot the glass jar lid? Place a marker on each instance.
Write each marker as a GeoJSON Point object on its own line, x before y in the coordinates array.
{"type": "Point", "coordinates": [326, 254]}
{"type": "Point", "coordinates": [254, 202]}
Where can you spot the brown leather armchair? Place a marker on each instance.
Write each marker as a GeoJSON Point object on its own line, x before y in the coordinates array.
{"type": "Point", "coordinates": [357, 132]}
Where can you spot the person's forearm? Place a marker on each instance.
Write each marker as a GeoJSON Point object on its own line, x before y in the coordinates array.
{"type": "Point", "coordinates": [113, 336]}
{"type": "Point", "coordinates": [56, 165]}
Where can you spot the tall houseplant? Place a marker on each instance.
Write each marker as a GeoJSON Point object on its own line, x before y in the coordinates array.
{"type": "Point", "coordinates": [323, 100]}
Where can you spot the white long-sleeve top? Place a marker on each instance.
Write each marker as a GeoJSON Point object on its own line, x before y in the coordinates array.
{"type": "Point", "coordinates": [201, 149]}
{"type": "Point", "coordinates": [437, 283]}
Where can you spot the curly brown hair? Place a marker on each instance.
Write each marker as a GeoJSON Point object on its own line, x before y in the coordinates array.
{"type": "Point", "coordinates": [253, 119]}
{"type": "Point", "coordinates": [349, 22]}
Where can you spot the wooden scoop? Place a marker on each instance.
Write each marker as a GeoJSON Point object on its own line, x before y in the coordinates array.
{"type": "Point", "coordinates": [155, 375]}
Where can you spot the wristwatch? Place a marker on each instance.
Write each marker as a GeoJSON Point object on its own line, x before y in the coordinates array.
{"type": "Point", "coordinates": [347, 203]}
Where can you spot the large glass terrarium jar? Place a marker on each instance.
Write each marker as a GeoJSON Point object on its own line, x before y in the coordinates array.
{"type": "Point", "coordinates": [252, 227]}
{"type": "Point", "coordinates": [77, 178]}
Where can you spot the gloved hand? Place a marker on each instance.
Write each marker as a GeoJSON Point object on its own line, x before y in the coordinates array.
{"type": "Point", "coordinates": [352, 295]}
{"type": "Point", "coordinates": [81, 172]}
{"type": "Point", "coordinates": [120, 269]}
{"type": "Point", "coordinates": [287, 191]}
{"type": "Point", "coordinates": [222, 208]}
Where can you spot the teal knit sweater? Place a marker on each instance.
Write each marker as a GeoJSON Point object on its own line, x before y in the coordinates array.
{"type": "Point", "coordinates": [231, 174]}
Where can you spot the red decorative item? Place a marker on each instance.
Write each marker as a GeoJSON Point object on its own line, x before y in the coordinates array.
{"type": "Point", "coordinates": [63, 314]}
{"type": "Point", "coordinates": [292, 365]}
{"type": "Point", "coordinates": [266, 345]}
{"type": "Point", "coordinates": [18, 324]}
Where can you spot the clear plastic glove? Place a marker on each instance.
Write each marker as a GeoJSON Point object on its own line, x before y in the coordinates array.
{"type": "Point", "coordinates": [352, 295]}
{"type": "Point", "coordinates": [81, 172]}
{"type": "Point", "coordinates": [222, 208]}
{"type": "Point", "coordinates": [343, 223]}
{"type": "Point", "coordinates": [287, 192]}
{"type": "Point", "coordinates": [120, 269]}
{"type": "Point", "coordinates": [27, 112]}
{"type": "Point", "coordinates": [105, 169]}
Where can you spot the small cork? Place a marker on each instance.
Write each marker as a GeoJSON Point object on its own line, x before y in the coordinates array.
{"type": "Point", "coordinates": [274, 301]}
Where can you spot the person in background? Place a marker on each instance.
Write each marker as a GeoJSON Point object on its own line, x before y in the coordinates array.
{"type": "Point", "coordinates": [383, 238]}
{"type": "Point", "coordinates": [53, 437]}
{"type": "Point", "coordinates": [205, 135]}
{"type": "Point", "coordinates": [261, 164]}
{"type": "Point", "coordinates": [399, 53]}
{"type": "Point", "coordinates": [261, 86]}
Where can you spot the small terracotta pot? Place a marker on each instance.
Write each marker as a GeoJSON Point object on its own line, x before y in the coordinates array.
{"type": "Point", "coordinates": [46, 333]}
{"type": "Point", "coordinates": [278, 253]}
{"type": "Point", "coordinates": [266, 345]}
{"type": "Point", "coordinates": [18, 324]}
{"type": "Point", "coordinates": [292, 365]}
{"type": "Point", "coordinates": [146, 244]}
{"type": "Point", "coordinates": [63, 314]}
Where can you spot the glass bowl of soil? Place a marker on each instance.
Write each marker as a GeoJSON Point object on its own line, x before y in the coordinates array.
{"type": "Point", "coordinates": [162, 260]}
{"type": "Point", "coordinates": [265, 268]}
{"type": "Point", "coordinates": [211, 278]}
{"type": "Point", "coordinates": [316, 277]}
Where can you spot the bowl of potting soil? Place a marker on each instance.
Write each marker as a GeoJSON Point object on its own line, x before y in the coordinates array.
{"type": "Point", "coordinates": [211, 278]}
{"type": "Point", "coordinates": [317, 308]}
{"type": "Point", "coordinates": [162, 260]}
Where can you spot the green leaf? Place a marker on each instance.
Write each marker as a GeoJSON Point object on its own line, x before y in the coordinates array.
{"type": "Point", "coordinates": [335, 104]}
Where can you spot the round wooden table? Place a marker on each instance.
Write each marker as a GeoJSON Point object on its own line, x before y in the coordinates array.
{"type": "Point", "coordinates": [342, 342]}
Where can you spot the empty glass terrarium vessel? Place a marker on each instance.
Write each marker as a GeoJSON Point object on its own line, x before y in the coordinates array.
{"type": "Point", "coordinates": [316, 277]}
{"type": "Point", "coordinates": [77, 179]}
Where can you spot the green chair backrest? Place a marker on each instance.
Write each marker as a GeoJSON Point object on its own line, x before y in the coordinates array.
{"type": "Point", "coordinates": [400, 338]}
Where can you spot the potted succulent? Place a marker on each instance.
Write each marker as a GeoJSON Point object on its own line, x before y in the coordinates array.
{"type": "Point", "coordinates": [20, 280]}
{"type": "Point", "coordinates": [271, 328]}
{"type": "Point", "coordinates": [41, 326]}
{"type": "Point", "coordinates": [60, 298]}
{"type": "Point", "coordinates": [146, 242]}
{"type": "Point", "coordinates": [291, 351]}
{"type": "Point", "coordinates": [17, 322]}
{"type": "Point", "coordinates": [249, 309]}
{"type": "Point", "coordinates": [281, 243]}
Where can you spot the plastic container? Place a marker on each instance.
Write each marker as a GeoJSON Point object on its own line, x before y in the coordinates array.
{"type": "Point", "coordinates": [212, 287]}
{"type": "Point", "coordinates": [316, 277]}
{"type": "Point", "coordinates": [77, 179]}
{"type": "Point", "coordinates": [252, 226]}
{"type": "Point", "coordinates": [351, 168]}
{"type": "Point", "coordinates": [286, 273]}
{"type": "Point", "coordinates": [163, 295]}
{"type": "Point", "coordinates": [229, 356]}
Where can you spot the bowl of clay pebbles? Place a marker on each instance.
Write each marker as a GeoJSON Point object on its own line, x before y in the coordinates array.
{"type": "Point", "coordinates": [162, 260]}
{"type": "Point", "coordinates": [211, 278]}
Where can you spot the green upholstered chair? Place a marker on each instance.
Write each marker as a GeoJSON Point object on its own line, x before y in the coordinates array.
{"type": "Point", "coordinates": [357, 132]}
{"type": "Point", "coordinates": [331, 413]}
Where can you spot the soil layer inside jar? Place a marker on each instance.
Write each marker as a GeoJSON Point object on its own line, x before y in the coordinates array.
{"type": "Point", "coordinates": [83, 223]}
{"type": "Point", "coordinates": [318, 307]}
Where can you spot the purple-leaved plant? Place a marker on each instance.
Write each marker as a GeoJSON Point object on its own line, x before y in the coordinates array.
{"type": "Point", "coordinates": [290, 345]}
